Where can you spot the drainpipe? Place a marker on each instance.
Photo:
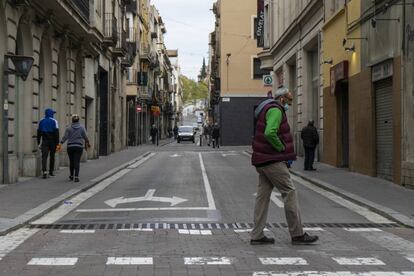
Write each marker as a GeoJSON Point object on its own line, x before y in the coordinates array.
{"type": "Point", "coordinates": [404, 52]}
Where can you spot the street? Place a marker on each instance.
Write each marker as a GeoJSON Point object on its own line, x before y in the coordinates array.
{"type": "Point", "coordinates": [182, 209]}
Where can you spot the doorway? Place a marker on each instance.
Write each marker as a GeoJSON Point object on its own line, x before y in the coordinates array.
{"type": "Point", "coordinates": [103, 112]}
{"type": "Point", "coordinates": [343, 109]}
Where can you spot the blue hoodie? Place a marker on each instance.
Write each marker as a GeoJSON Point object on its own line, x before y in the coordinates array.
{"type": "Point", "coordinates": [48, 130]}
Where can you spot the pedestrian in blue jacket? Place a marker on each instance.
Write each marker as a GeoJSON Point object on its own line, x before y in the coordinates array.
{"type": "Point", "coordinates": [47, 140]}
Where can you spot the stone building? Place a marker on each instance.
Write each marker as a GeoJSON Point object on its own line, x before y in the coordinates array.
{"type": "Point", "coordinates": [292, 51]}
{"type": "Point", "coordinates": [78, 49]}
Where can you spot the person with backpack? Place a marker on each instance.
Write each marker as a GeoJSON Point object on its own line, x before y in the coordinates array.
{"type": "Point", "coordinates": [47, 140]}
{"type": "Point", "coordinates": [77, 140]}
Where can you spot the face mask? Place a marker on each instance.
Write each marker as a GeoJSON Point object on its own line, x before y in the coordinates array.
{"type": "Point", "coordinates": [286, 107]}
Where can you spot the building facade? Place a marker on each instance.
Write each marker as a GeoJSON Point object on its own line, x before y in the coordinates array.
{"type": "Point", "coordinates": [362, 95]}
{"type": "Point", "coordinates": [292, 51]}
{"type": "Point", "coordinates": [236, 85]}
{"type": "Point", "coordinates": [78, 56]}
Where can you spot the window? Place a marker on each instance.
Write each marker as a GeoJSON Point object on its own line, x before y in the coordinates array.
{"type": "Point", "coordinates": [254, 32]}
{"type": "Point", "coordinates": [257, 72]}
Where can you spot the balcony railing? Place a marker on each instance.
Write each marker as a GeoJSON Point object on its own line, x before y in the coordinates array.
{"type": "Point", "coordinates": [82, 7]}
{"type": "Point", "coordinates": [110, 31]}
{"type": "Point", "coordinates": [132, 6]}
{"type": "Point", "coordinates": [121, 44]}
{"type": "Point", "coordinates": [145, 53]}
{"type": "Point", "coordinates": [132, 76]}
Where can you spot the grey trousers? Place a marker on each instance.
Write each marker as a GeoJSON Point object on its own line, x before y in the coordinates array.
{"type": "Point", "coordinates": [276, 175]}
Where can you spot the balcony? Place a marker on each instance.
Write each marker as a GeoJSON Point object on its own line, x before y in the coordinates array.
{"type": "Point", "coordinates": [145, 53]}
{"type": "Point", "coordinates": [132, 6]}
{"type": "Point", "coordinates": [110, 31]}
{"type": "Point", "coordinates": [132, 41]}
{"type": "Point", "coordinates": [82, 8]}
{"type": "Point", "coordinates": [131, 76]}
{"type": "Point", "coordinates": [121, 48]}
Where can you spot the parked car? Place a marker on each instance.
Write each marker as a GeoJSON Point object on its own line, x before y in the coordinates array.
{"type": "Point", "coordinates": [186, 133]}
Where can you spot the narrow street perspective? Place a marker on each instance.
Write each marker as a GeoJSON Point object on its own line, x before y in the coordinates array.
{"type": "Point", "coordinates": [214, 137]}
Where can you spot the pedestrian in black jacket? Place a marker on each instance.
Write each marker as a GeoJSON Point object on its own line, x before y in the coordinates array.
{"type": "Point", "coordinates": [215, 134]}
{"type": "Point", "coordinates": [310, 140]}
{"type": "Point", "coordinates": [154, 134]}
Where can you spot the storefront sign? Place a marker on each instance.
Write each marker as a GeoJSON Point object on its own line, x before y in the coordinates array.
{"type": "Point", "coordinates": [382, 70]}
{"type": "Point", "coordinates": [155, 110]}
{"type": "Point", "coordinates": [260, 23]}
{"type": "Point", "coordinates": [338, 72]}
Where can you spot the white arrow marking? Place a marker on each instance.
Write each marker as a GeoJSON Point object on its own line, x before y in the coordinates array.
{"type": "Point", "coordinates": [175, 155]}
{"type": "Point", "coordinates": [149, 196]}
{"type": "Point", "coordinates": [275, 199]}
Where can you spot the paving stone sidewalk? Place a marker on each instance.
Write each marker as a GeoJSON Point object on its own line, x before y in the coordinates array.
{"type": "Point", "coordinates": [389, 199]}
{"type": "Point", "coordinates": [24, 201]}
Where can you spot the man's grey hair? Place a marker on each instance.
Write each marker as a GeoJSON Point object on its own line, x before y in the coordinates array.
{"type": "Point", "coordinates": [281, 91]}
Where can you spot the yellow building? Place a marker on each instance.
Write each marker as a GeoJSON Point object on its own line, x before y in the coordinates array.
{"type": "Point", "coordinates": [361, 116]}
{"type": "Point", "coordinates": [236, 70]}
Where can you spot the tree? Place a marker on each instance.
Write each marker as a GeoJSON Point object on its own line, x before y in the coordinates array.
{"type": "Point", "coordinates": [193, 90]}
{"type": "Point", "coordinates": [203, 71]}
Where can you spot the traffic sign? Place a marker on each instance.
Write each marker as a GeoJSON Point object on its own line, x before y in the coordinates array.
{"type": "Point", "coordinates": [267, 80]}
{"type": "Point", "coordinates": [139, 109]}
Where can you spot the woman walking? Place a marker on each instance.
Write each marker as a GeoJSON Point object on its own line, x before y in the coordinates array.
{"type": "Point", "coordinates": [77, 140]}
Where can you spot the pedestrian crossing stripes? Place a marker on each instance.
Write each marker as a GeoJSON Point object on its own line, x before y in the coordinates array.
{"type": "Point", "coordinates": [352, 227]}
{"type": "Point", "coordinates": [210, 260]}
{"type": "Point", "coordinates": [358, 261]}
{"type": "Point", "coordinates": [335, 273]}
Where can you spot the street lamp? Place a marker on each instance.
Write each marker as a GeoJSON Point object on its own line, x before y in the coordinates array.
{"type": "Point", "coordinates": [22, 65]}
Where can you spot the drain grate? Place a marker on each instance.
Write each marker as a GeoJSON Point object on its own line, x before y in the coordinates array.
{"type": "Point", "coordinates": [198, 226]}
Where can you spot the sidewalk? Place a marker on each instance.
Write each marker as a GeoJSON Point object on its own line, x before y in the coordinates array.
{"type": "Point", "coordinates": [25, 201]}
{"type": "Point", "coordinates": [390, 200]}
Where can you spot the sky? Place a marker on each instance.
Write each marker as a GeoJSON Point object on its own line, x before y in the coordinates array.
{"type": "Point", "coordinates": [188, 24]}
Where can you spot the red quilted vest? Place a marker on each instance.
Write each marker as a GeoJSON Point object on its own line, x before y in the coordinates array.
{"type": "Point", "coordinates": [263, 151]}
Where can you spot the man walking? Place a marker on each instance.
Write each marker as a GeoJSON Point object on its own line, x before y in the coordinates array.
{"type": "Point", "coordinates": [47, 140]}
{"type": "Point", "coordinates": [215, 133]}
{"type": "Point", "coordinates": [310, 140]}
{"type": "Point", "coordinates": [272, 148]}
{"type": "Point", "coordinates": [154, 134]}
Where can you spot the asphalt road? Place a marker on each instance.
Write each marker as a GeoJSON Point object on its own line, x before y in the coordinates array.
{"type": "Point", "coordinates": [187, 210]}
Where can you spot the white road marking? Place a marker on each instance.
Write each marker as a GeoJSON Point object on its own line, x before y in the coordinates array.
{"type": "Point", "coordinates": [229, 154]}
{"type": "Point", "coordinates": [334, 273]}
{"type": "Point", "coordinates": [362, 229]}
{"type": "Point", "coordinates": [358, 261]}
{"type": "Point", "coordinates": [141, 209]}
{"type": "Point", "coordinates": [77, 231]}
{"type": "Point", "coordinates": [274, 198]}
{"type": "Point", "coordinates": [138, 229]}
{"type": "Point", "coordinates": [365, 212]}
{"type": "Point", "coordinates": [283, 261]}
{"type": "Point", "coordinates": [313, 229]}
{"type": "Point", "coordinates": [63, 210]}
{"type": "Point", "coordinates": [129, 261]}
{"type": "Point", "coordinates": [175, 155]}
{"type": "Point", "coordinates": [149, 196]}
{"type": "Point", "coordinates": [247, 230]}
{"type": "Point", "coordinates": [210, 198]}
{"type": "Point", "coordinates": [12, 240]}
{"type": "Point", "coordinates": [207, 261]}
{"type": "Point", "coordinates": [410, 259]}
{"type": "Point", "coordinates": [194, 232]}
{"type": "Point", "coordinates": [53, 261]}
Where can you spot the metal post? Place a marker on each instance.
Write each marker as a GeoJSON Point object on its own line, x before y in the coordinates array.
{"type": "Point", "coordinates": [6, 121]}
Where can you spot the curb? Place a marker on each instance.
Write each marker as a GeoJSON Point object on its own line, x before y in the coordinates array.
{"type": "Point", "coordinates": [53, 203]}
{"type": "Point", "coordinates": [382, 210]}
{"type": "Point", "coordinates": [379, 209]}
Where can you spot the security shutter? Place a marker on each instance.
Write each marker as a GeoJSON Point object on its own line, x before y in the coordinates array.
{"type": "Point", "coordinates": [384, 128]}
